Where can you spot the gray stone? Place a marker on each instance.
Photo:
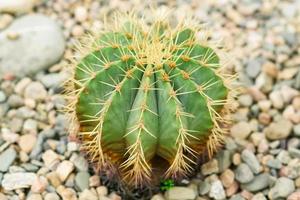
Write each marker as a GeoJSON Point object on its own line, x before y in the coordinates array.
{"type": "Point", "coordinates": [80, 162]}
{"type": "Point", "coordinates": [296, 130]}
{"type": "Point", "coordinates": [7, 158]}
{"type": "Point", "coordinates": [180, 193]}
{"type": "Point", "coordinates": [259, 182]}
{"type": "Point", "coordinates": [294, 153]}
{"type": "Point", "coordinates": [217, 191]}
{"type": "Point", "coordinates": [38, 44]}
{"type": "Point", "coordinates": [253, 68]}
{"type": "Point", "coordinates": [274, 163]}
{"type": "Point", "coordinates": [2, 96]}
{"type": "Point", "coordinates": [224, 160]}
{"type": "Point", "coordinates": [53, 80]}
{"type": "Point", "coordinates": [204, 187]}
{"type": "Point", "coordinates": [237, 197]}
{"type": "Point", "coordinates": [243, 173]}
{"type": "Point", "coordinates": [82, 180]}
{"type": "Point", "coordinates": [259, 196]}
{"type": "Point", "coordinates": [249, 158]}
{"type": "Point", "coordinates": [240, 130]}
{"type": "Point", "coordinates": [283, 188]}
{"type": "Point", "coordinates": [18, 180]}
{"type": "Point", "coordinates": [15, 101]}
{"type": "Point", "coordinates": [30, 167]}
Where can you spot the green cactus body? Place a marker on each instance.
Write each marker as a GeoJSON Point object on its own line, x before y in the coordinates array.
{"type": "Point", "coordinates": [143, 92]}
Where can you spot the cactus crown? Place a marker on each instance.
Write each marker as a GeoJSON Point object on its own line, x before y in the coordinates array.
{"type": "Point", "coordinates": [148, 96]}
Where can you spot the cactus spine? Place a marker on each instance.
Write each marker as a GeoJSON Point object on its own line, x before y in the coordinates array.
{"type": "Point", "coordinates": [146, 97]}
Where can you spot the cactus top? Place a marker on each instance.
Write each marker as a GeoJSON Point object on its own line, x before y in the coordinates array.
{"type": "Point", "coordinates": [148, 97]}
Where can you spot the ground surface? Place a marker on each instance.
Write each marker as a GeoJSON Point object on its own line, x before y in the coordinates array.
{"type": "Point", "coordinates": [261, 158]}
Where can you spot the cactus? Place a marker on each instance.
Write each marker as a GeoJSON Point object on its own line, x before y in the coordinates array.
{"type": "Point", "coordinates": [147, 98]}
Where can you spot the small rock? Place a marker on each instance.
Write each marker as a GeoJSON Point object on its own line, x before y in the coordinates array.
{"type": "Point", "coordinates": [87, 195]}
{"type": "Point", "coordinates": [34, 197]}
{"type": "Point", "coordinates": [21, 85]}
{"type": "Point", "coordinates": [224, 160]}
{"type": "Point", "coordinates": [51, 196]}
{"type": "Point", "coordinates": [68, 194]}
{"type": "Point", "coordinates": [259, 182]}
{"type": "Point", "coordinates": [157, 197]}
{"type": "Point", "coordinates": [217, 191]}
{"type": "Point", "coordinates": [82, 180]}
{"type": "Point", "coordinates": [17, 6]}
{"type": "Point", "coordinates": [3, 197]}
{"type": "Point", "coordinates": [9, 136]}
{"type": "Point", "coordinates": [204, 187]}
{"type": "Point", "coordinates": [40, 44]}
{"type": "Point", "coordinates": [54, 179]}
{"type": "Point", "coordinates": [180, 193]}
{"type": "Point", "coordinates": [227, 178]}
{"type": "Point", "coordinates": [240, 130]}
{"type": "Point", "coordinates": [232, 189]}
{"type": "Point", "coordinates": [53, 80]}
{"type": "Point", "coordinates": [94, 181]}
{"type": "Point", "coordinates": [245, 100]}
{"type": "Point", "coordinates": [27, 142]}
{"type": "Point", "coordinates": [210, 167]}
{"type": "Point", "coordinates": [7, 158]}
{"type": "Point", "coordinates": [39, 185]}
{"type": "Point", "coordinates": [259, 196]}
{"type": "Point", "coordinates": [36, 91]}
{"type": "Point", "coordinates": [18, 180]}
{"type": "Point", "coordinates": [277, 99]}
{"type": "Point", "coordinates": [288, 93]}
{"type": "Point", "coordinates": [64, 169]}
{"type": "Point", "coordinates": [2, 96]}
{"type": "Point", "coordinates": [296, 130]}
{"type": "Point", "coordinates": [279, 130]}
{"type": "Point", "coordinates": [274, 163]}
{"type": "Point", "coordinates": [49, 157]}
{"type": "Point", "coordinates": [80, 14]}
{"type": "Point", "coordinates": [294, 196]}
{"type": "Point", "coordinates": [283, 188]}
{"type": "Point", "coordinates": [249, 158]}
{"type": "Point", "coordinates": [102, 191]}
{"type": "Point", "coordinates": [80, 162]}
{"type": "Point", "coordinates": [253, 68]}
{"type": "Point", "coordinates": [243, 173]}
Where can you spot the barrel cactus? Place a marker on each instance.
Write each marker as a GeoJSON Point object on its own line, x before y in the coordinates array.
{"type": "Point", "coordinates": [148, 99]}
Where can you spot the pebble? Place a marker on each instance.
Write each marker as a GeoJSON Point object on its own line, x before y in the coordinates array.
{"type": "Point", "coordinates": [80, 14]}
{"type": "Point", "coordinates": [296, 130]}
{"type": "Point", "coordinates": [253, 68]}
{"type": "Point", "coordinates": [35, 91]}
{"type": "Point", "coordinates": [250, 159]}
{"type": "Point", "coordinates": [180, 193]}
{"type": "Point", "coordinates": [51, 196]}
{"type": "Point", "coordinates": [279, 130]}
{"type": "Point", "coordinates": [217, 191]}
{"type": "Point", "coordinates": [80, 162]}
{"type": "Point", "coordinates": [102, 191]}
{"type": "Point", "coordinates": [259, 183]}
{"type": "Point", "coordinates": [94, 181]}
{"type": "Point", "coordinates": [282, 189]}
{"type": "Point", "coordinates": [210, 167]}
{"type": "Point", "coordinates": [27, 142]}
{"type": "Point", "coordinates": [294, 196]}
{"type": "Point", "coordinates": [2, 96]}
{"type": "Point", "coordinates": [17, 6]}
{"type": "Point", "coordinates": [53, 80]}
{"type": "Point", "coordinates": [243, 173]}
{"type": "Point", "coordinates": [35, 48]}
{"type": "Point", "coordinates": [82, 180]}
{"type": "Point", "coordinates": [245, 100]}
{"type": "Point", "coordinates": [87, 195]}
{"type": "Point", "coordinates": [54, 179]}
{"type": "Point", "coordinates": [7, 157]}
{"type": "Point", "coordinates": [64, 169]}
{"type": "Point", "coordinates": [224, 160]}
{"type": "Point", "coordinates": [156, 197]}
{"type": "Point", "coordinates": [227, 178]}
{"type": "Point", "coordinates": [204, 187]}
{"type": "Point", "coordinates": [50, 157]}
{"type": "Point", "coordinates": [240, 130]}
{"type": "Point", "coordinates": [68, 194]}
{"type": "Point", "coordinates": [9, 136]}
{"type": "Point", "coordinates": [259, 196]}
{"type": "Point", "coordinates": [39, 185]}
{"type": "Point", "coordinates": [18, 180]}
{"type": "Point", "coordinates": [34, 197]}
